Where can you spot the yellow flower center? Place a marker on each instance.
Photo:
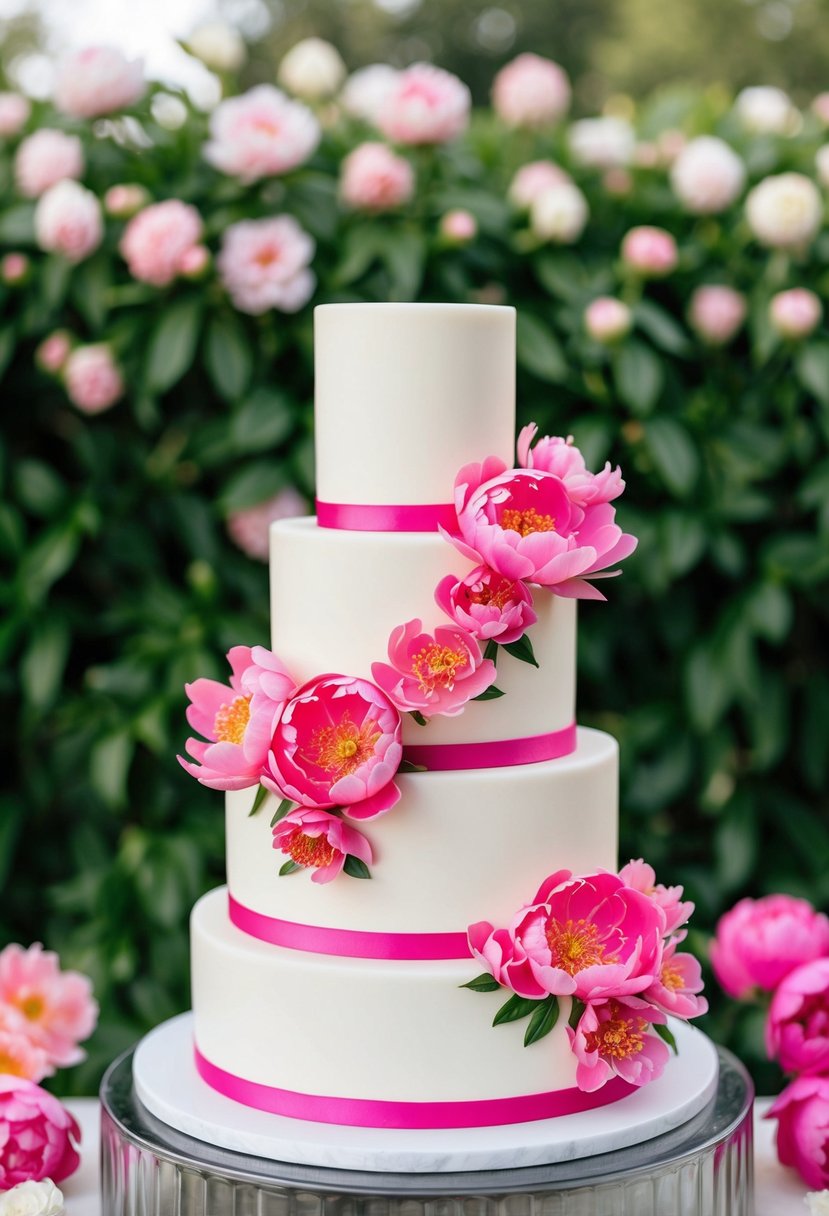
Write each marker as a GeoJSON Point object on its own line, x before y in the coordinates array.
{"type": "Point", "coordinates": [438, 665]}
{"type": "Point", "coordinates": [309, 850]}
{"type": "Point", "coordinates": [671, 977]}
{"type": "Point", "coordinates": [32, 1007]}
{"type": "Point", "coordinates": [525, 522]}
{"type": "Point", "coordinates": [618, 1038]}
{"type": "Point", "coordinates": [574, 945]}
{"type": "Point", "coordinates": [231, 721]}
{"type": "Point", "coordinates": [340, 750]}
{"type": "Point", "coordinates": [498, 595]}
{"type": "Point", "coordinates": [11, 1065]}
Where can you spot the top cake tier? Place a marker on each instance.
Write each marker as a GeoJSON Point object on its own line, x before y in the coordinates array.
{"type": "Point", "coordinates": [406, 394]}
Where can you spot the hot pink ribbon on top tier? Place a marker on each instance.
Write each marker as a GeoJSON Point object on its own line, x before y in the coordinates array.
{"type": "Point", "coordinates": [386, 517]}
{"type": "Point", "coordinates": [370, 1112]}
{"type": "Point", "coordinates": [498, 753]}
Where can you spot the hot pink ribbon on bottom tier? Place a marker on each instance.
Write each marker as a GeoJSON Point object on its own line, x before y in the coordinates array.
{"type": "Point", "coordinates": [499, 753]}
{"type": "Point", "coordinates": [370, 1112]}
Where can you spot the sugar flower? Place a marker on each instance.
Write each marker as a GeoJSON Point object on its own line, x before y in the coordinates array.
{"type": "Point", "coordinates": [32, 1199]}
{"type": "Point", "coordinates": [38, 1135]}
{"type": "Point", "coordinates": [320, 841]}
{"type": "Point", "coordinates": [613, 1037]}
{"type": "Point", "coordinates": [802, 1113]}
{"type": "Point", "coordinates": [639, 875]}
{"type": "Point", "coordinates": [797, 1029]}
{"type": "Point", "coordinates": [427, 105]}
{"type": "Point", "coordinates": [433, 673]}
{"type": "Point", "coordinates": [45, 158]}
{"type": "Point", "coordinates": [54, 1008]}
{"type": "Point", "coordinates": [157, 238]}
{"type": "Point", "coordinates": [487, 605]}
{"type": "Point", "coordinates": [531, 92]}
{"type": "Point", "coordinates": [98, 80]}
{"type": "Point", "coordinates": [759, 942]}
{"type": "Point", "coordinates": [262, 133]}
{"type": "Point", "coordinates": [263, 264]}
{"type": "Point", "coordinates": [676, 989]}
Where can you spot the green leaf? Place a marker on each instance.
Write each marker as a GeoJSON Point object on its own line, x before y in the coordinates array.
{"type": "Point", "coordinates": [667, 1037]}
{"type": "Point", "coordinates": [538, 351]}
{"type": "Point", "coordinates": [489, 694]}
{"type": "Point", "coordinates": [406, 766]}
{"type": "Point", "coordinates": [771, 611]}
{"type": "Point", "coordinates": [38, 487]}
{"type": "Point", "coordinates": [12, 818]}
{"type": "Point", "coordinates": [542, 1021]}
{"type": "Point", "coordinates": [48, 560]}
{"type": "Point", "coordinates": [109, 764]}
{"type": "Point", "coordinates": [89, 290]}
{"type": "Point", "coordinates": [173, 342]}
{"type": "Point", "coordinates": [491, 650]}
{"type": "Point", "coordinates": [8, 342]}
{"type": "Point", "coordinates": [284, 808]}
{"type": "Point", "coordinates": [708, 692]}
{"type": "Point", "coordinates": [360, 246]}
{"type": "Point", "coordinates": [522, 650]}
{"type": "Point", "coordinates": [661, 328]}
{"type": "Point", "coordinates": [514, 1009]}
{"type": "Point", "coordinates": [404, 254]}
{"type": "Point", "coordinates": [639, 376]}
{"type": "Point", "coordinates": [482, 983]}
{"type": "Point", "coordinates": [252, 484]}
{"type": "Point", "coordinates": [263, 421]}
{"type": "Point", "coordinates": [355, 867]}
{"type": "Point", "coordinates": [290, 867]}
{"type": "Point", "coordinates": [674, 454]}
{"type": "Point", "coordinates": [812, 370]}
{"type": "Point", "coordinates": [41, 667]}
{"type": "Point", "coordinates": [261, 795]}
{"type": "Point", "coordinates": [17, 225]}
{"type": "Point", "coordinates": [54, 282]}
{"type": "Point", "coordinates": [576, 1010]}
{"type": "Point", "coordinates": [228, 357]}
{"type": "Point", "coordinates": [418, 717]}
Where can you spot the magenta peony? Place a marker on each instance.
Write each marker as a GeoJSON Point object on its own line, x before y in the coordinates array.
{"type": "Point", "coordinates": [649, 252]}
{"type": "Point", "coordinates": [639, 875]}
{"type": "Point", "coordinates": [607, 320]}
{"type": "Point", "coordinates": [796, 313]}
{"type": "Point", "coordinates": [38, 1136]}
{"type": "Point", "coordinates": [759, 942]}
{"type": "Point", "coordinates": [797, 1029]}
{"type": "Point", "coordinates": [533, 179]}
{"type": "Point", "coordinates": [531, 92]}
{"type": "Point", "coordinates": [487, 605]}
{"type": "Point", "coordinates": [802, 1113]}
{"type": "Point", "coordinates": [613, 1037]}
{"type": "Point", "coordinates": [337, 743]}
{"type": "Point", "coordinates": [321, 841]}
{"type": "Point", "coordinates": [433, 673]}
{"type": "Point", "coordinates": [157, 238]}
{"type": "Point", "coordinates": [426, 106]}
{"type": "Point", "coordinates": [55, 1008]}
{"type": "Point", "coordinates": [98, 80]}
{"type": "Point", "coordinates": [676, 989]}
{"type": "Point", "coordinates": [14, 114]}
{"type": "Point", "coordinates": [92, 378]}
{"type": "Point", "coordinates": [249, 527]}
{"type": "Point", "coordinates": [717, 313]}
{"type": "Point", "coordinates": [263, 133]}
{"type": "Point", "coordinates": [373, 178]}
{"type": "Point", "coordinates": [68, 221]}
{"type": "Point", "coordinates": [559, 456]}
{"type": "Point", "coordinates": [45, 158]}
{"type": "Point", "coordinates": [264, 264]}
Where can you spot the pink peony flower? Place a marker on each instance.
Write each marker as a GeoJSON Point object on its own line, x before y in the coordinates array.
{"type": "Point", "coordinates": [426, 106]}
{"type": "Point", "coordinates": [487, 605]}
{"type": "Point", "coordinates": [264, 264]}
{"type": "Point", "coordinates": [796, 313]}
{"type": "Point", "coordinates": [56, 1008]}
{"type": "Point", "coordinates": [45, 158]}
{"type": "Point", "coordinates": [68, 221]}
{"type": "Point", "coordinates": [53, 351]}
{"type": "Point", "coordinates": [802, 1113]}
{"type": "Point", "coordinates": [367, 90]}
{"type": "Point", "coordinates": [561, 457]}
{"type": "Point", "coordinates": [321, 841]}
{"type": "Point", "coordinates": [125, 199]}
{"type": "Point", "coordinates": [194, 262]}
{"type": "Point", "coordinates": [650, 252]}
{"type": "Point", "coordinates": [92, 378]}
{"type": "Point", "coordinates": [525, 524]}
{"type": "Point", "coordinates": [14, 269]}
{"type": "Point", "coordinates": [98, 80]}
{"type": "Point", "coordinates": [760, 941]}
{"type": "Point", "coordinates": [262, 133]}
{"type": "Point", "coordinates": [676, 989]}
{"type": "Point", "coordinates": [249, 527]}
{"type": "Point", "coordinates": [433, 673]}
{"type": "Point", "coordinates": [641, 876]}
{"type": "Point", "coordinates": [156, 240]}
{"type": "Point", "coordinates": [533, 179]}
{"type": "Point", "coordinates": [458, 227]}
{"type": "Point", "coordinates": [607, 320]}
{"type": "Point", "coordinates": [613, 1038]}
{"type": "Point", "coordinates": [14, 114]}
{"type": "Point", "coordinates": [38, 1136]}
{"type": "Point", "coordinates": [237, 719]}
{"type": "Point", "coordinates": [19, 1056]}
{"type": "Point", "coordinates": [337, 743]}
{"type": "Point", "coordinates": [717, 313]}
{"type": "Point", "coordinates": [531, 92]}
{"type": "Point", "coordinates": [797, 1029]}
{"type": "Point", "coordinates": [373, 178]}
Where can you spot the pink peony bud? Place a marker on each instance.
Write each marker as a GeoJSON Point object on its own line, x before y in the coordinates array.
{"type": "Point", "coordinates": [14, 114]}
{"type": "Point", "coordinates": [93, 381]}
{"type": "Point", "coordinates": [796, 313]}
{"type": "Point", "coordinates": [531, 92]}
{"type": "Point", "coordinates": [487, 605]}
{"type": "Point", "coordinates": [426, 106]}
{"type": "Point", "coordinates": [14, 269]}
{"type": "Point", "coordinates": [261, 133]}
{"type": "Point", "coordinates": [458, 227]}
{"type": "Point", "coordinates": [68, 220]}
{"type": "Point", "coordinates": [433, 673]}
{"type": "Point", "coordinates": [98, 80]}
{"type": "Point", "coordinates": [533, 179]}
{"type": "Point", "coordinates": [802, 1113]}
{"type": "Point", "coordinates": [797, 1030]}
{"type": "Point", "coordinates": [375, 179]}
{"type": "Point", "coordinates": [649, 252]}
{"type": "Point", "coordinates": [124, 200]}
{"type": "Point", "coordinates": [716, 313]}
{"type": "Point", "coordinates": [194, 262]}
{"type": "Point", "coordinates": [607, 319]}
{"type": "Point", "coordinates": [759, 942]}
{"type": "Point", "coordinates": [157, 238]}
{"type": "Point", "coordinates": [53, 351]}
{"type": "Point", "coordinates": [312, 69]}
{"type": "Point", "coordinates": [263, 264]}
{"type": "Point", "coordinates": [602, 1028]}
{"type": "Point", "coordinates": [45, 158]}
{"type": "Point", "coordinates": [319, 841]}
{"type": "Point", "coordinates": [249, 528]}
{"type": "Point", "coordinates": [39, 1135]}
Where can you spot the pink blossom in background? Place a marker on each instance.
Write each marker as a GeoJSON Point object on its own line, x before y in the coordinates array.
{"type": "Point", "coordinates": [760, 941]}
{"type": "Point", "coordinates": [45, 158]}
{"type": "Point", "coordinates": [262, 133]}
{"type": "Point", "coordinates": [533, 179]}
{"type": "Point", "coordinates": [56, 1008]}
{"type": "Point", "coordinates": [98, 80]}
{"type": "Point", "coordinates": [249, 527]}
{"type": "Point", "coordinates": [617, 181]}
{"type": "Point", "coordinates": [19, 1056]}
{"type": "Point", "coordinates": [707, 175]}
{"type": "Point", "coordinates": [433, 673]}
{"type": "Point", "coordinates": [676, 989]}
{"type": "Point", "coordinates": [263, 264]}
{"type": "Point", "coordinates": [68, 221]}
{"type": "Point", "coordinates": [238, 733]}
{"type": "Point", "coordinates": [14, 114]}
{"type": "Point", "coordinates": [125, 199]}
{"type": "Point", "coordinates": [802, 1113]}
{"type": "Point", "coordinates": [559, 456]}
{"type": "Point", "coordinates": [337, 743]}
{"type": "Point", "coordinates": [374, 178]}
{"type": "Point", "coordinates": [613, 1038]}
{"type": "Point", "coordinates": [93, 379]}
{"type": "Point", "coordinates": [650, 252]}
{"type": "Point", "coordinates": [367, 90]}
{"type": "Point", "coordinates": [717, 313]}
{"type": "Point", "coordinates": [194, 262]}
{"type": "Point", "coordinates": [157, 238]}
{"type": "Point", "coordinates": [426, 106]}
{"type": "Point", "coordinates": [458, 227]}
{"type": "Point", "coordinates": [487, 605]}
{"type": "Point", "coordinates": [785, 211]}
{"type": "Point", "coordinates": [797, 1028]}
{"type": "Point", "coordinates": [37, 1134]}
{"type": "Point", "coordinates": [531, 92]}
{"type": "Point", "coordinates": [559, 214]}
{"type": "Point", "coordinates": [607, 319]}
{"type": "Point", "coordinates": [54, 350]}
{"type": "Point", "coordinates": [639, 875]}
{"type": "Point", "coordinates": [14, 268]}
{"type": "Point", "coordinates": [796, 313]}
{"type": "Point", "coordinates": [320, 841]}
{"type": "Point", "coordinates": [820, 107]}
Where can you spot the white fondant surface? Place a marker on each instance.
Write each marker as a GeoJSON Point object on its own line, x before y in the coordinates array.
{"type": "Point", "coordinates": [459, 846]}
{"type": "Point", "coordinates": [336, 596]}
{"type": "Point", "coordinates": [167, 1083]}
{"type": "Point", "coordinates": [406, 394]}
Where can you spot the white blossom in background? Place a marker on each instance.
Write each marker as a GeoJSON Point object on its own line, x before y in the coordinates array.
{"type": "Point", "coordinates": [707, 175]}
{"type": "Point", "coordinates": [32, 1199]}
{"type": "Point", "coordinates": [98, 80]}
{"type": "Point", "coordinates": [46, 157]}
{"type": "Point", "coordinates": [366, 91]}
{"type": "Point", "coordinates": [312, 70]}
{"type": "Point", "coordinates": [533, 179]}
{"type": "Point", "coordinates": [766, 110]}
{"type": "Point", "coordinates": [785, 210]}
{"type": "Point", "coordinates": [602, 143]}
{"type": "Point", "coordinates": [559, 214]}
{"type": "Point", "coordinates": [219, 46]}
{"type": "Point", "coordinates": [822, 165]}
{"type": "Point", "coordinates": [795, 313]}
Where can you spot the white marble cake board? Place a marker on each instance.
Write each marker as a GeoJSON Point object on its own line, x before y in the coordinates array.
{"type": "Point", "coordinates": [168, 1085]}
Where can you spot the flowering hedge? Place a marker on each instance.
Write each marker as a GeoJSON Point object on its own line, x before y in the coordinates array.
{"type": "Point", "coordinates": [158, 274]}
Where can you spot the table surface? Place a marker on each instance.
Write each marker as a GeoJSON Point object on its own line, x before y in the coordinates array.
{"type": "Point", "coordinates": [779, 1191]}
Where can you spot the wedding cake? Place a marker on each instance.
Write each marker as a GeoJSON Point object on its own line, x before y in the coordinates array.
{"type": "Point", "coordinates": [420, 840]}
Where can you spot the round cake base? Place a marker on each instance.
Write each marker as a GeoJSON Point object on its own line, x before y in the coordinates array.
{"type": "Point", "coordinates": [169, 1087]}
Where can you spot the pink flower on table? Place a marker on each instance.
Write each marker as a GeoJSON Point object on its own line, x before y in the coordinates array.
{"type": "Point", "coordinates": [759, 942]}
{"type": "Point", "coordinates": [337, 743]}
{"type": "Point", "coordinates": [38, 1136]}
{"type": "Point", "coordinates": [320, 841]}
{"type": "Point", "coordinates": [157, 239]}
{"type": "Point", "coordinates": [533, 179]}
{"type": "Point", "coordinates": [374, 178]}
{"type": "Point", "coordinates": [238, 732]}
{"type": "Point", "coordinates": [262, 133]}
{"type": "Point", "coordinates": [249, 527]}
{"type": "Point", "coordinates": [487, 605]}
{"type": "Point", "coordinates": [607, 319]}
{"type": "Point", "coordinates": [531, 92]}
{"type": "Point", "coordinates": [55, 1008]}
{"type": "Point", "coordinates": [427, 105]}
{"type": "Point", "coordinates": [68, 221]}
{"type": "Point", "coordinates": [433, 673]}
{"type": "Point", "coordinates": [98, 80]}
{"type": "Point", "coordinates": [649, 251]}
{"type": "Point", "coordinates": [716, 313]}
{"type": "Point", "coordinates": [45, 158]}
{"type": "Point", "coordinates": [676, 989]}
{"type": "Point", "coordinates": [613, 1038]}
{"type": "Point", "coordinates": [19, 1056]}
{"type": "Point", "coordinates": [14, 114]}
{"type": "Point", "coordinates": [796, 313]}
{"type": "Point", "coordinates": [797, 1029]}
{"type": "Point", "coordinates": [642, 877]}
{"type": "Point", "coordinates": [263, 264]}
{"type": "Point", "coordinates": [92, 378]}
{"type": "Point", "coordinates": [802, 1113]}
{"type": "Point", "coordinates": [54, 350]}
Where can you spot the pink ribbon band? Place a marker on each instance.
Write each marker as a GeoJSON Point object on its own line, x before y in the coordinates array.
{"type": "Point", "coordinates": [372, 517]}
{"type": "Point", "coordinates": [368, 1112]}
{"type": "Point", "coordinates": [446, 757]}
{"type": "Point", "coordinates": [346, 943]}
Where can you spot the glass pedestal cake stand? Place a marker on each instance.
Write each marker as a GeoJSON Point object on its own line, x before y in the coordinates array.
{"type": "Point", "coordinates": [702, 1168]}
